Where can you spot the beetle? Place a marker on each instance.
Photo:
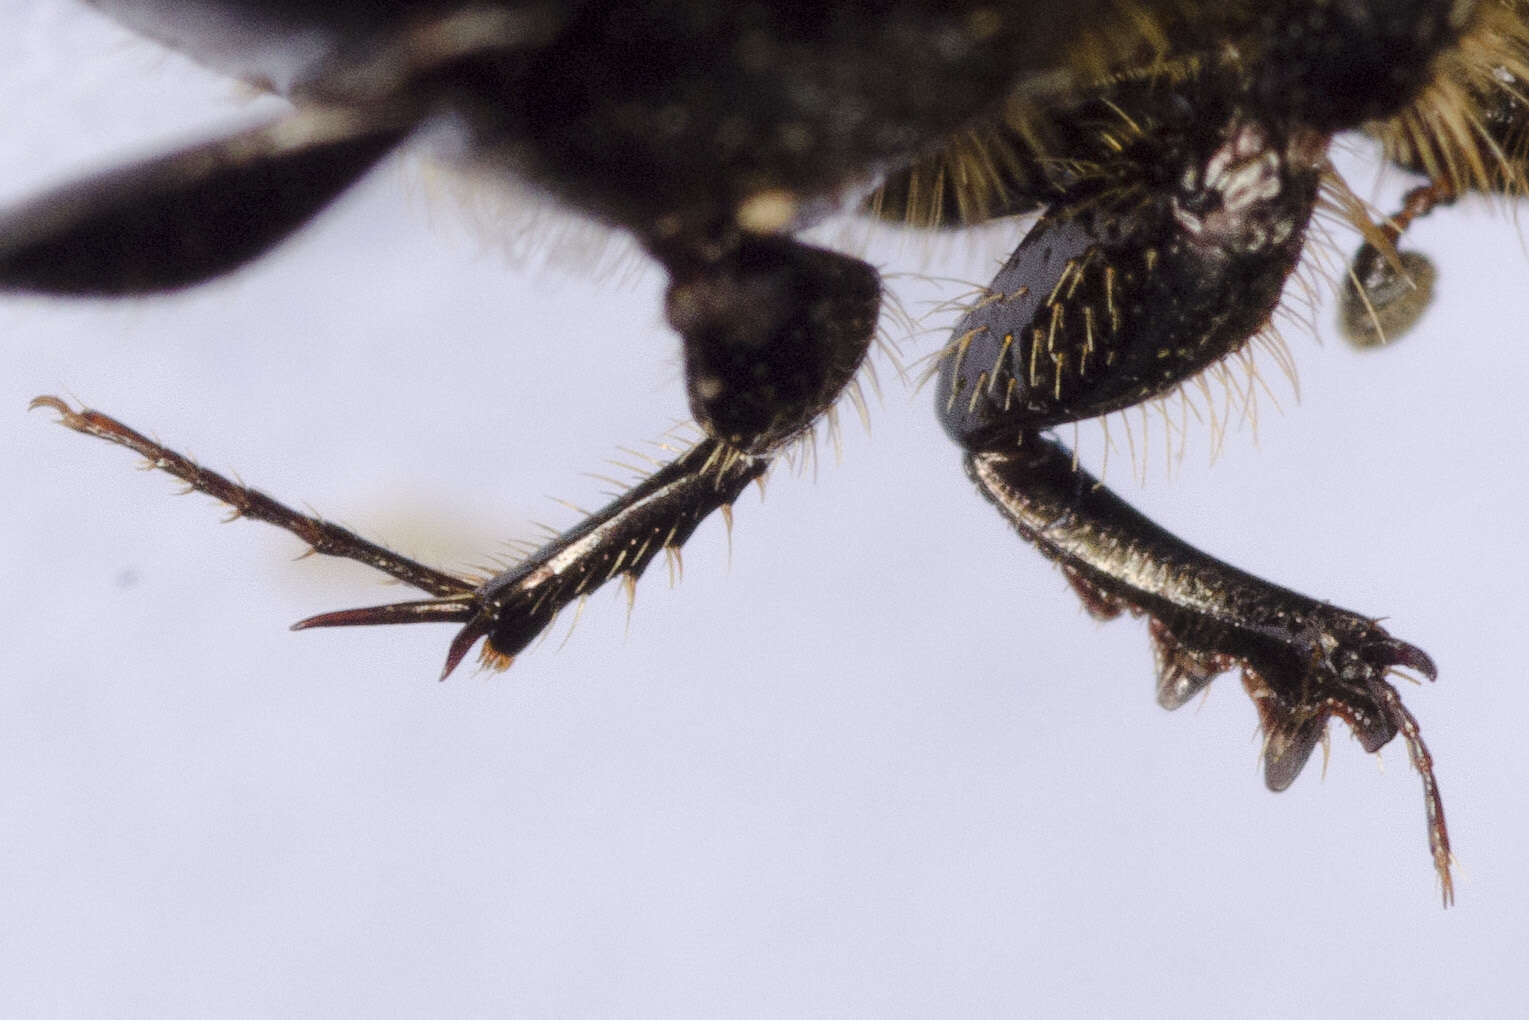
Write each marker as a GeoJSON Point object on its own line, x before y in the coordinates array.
{"type": "Point", "coordinates": [1173, 195]}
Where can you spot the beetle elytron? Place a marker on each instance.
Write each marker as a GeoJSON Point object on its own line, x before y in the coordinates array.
{"type": "Point", "coordinates": [1173, 152]}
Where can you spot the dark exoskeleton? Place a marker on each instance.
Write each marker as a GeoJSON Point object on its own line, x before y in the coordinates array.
{"type": "Point", "coordinates": [1173, 155]}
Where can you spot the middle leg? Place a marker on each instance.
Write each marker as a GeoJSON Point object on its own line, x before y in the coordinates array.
{"type": "Point", "coordinates": [773, 332]}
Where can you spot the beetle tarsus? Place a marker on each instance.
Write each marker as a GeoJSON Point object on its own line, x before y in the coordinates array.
{"type": "Point", "coordinates": [321, 536]}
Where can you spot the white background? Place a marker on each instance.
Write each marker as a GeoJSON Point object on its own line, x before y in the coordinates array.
{"type": "Point", "coordinates": [880, 765]}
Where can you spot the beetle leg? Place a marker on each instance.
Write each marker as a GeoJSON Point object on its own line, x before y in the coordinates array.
{"type": "Point", "coordinates": [182, 218]}
{"type": "Point", "coordinates": [1303, 661]}
{"type": "Point", "coordinates": [773, 330]}
{"type": "Point", "coordinates": [511, 608]}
